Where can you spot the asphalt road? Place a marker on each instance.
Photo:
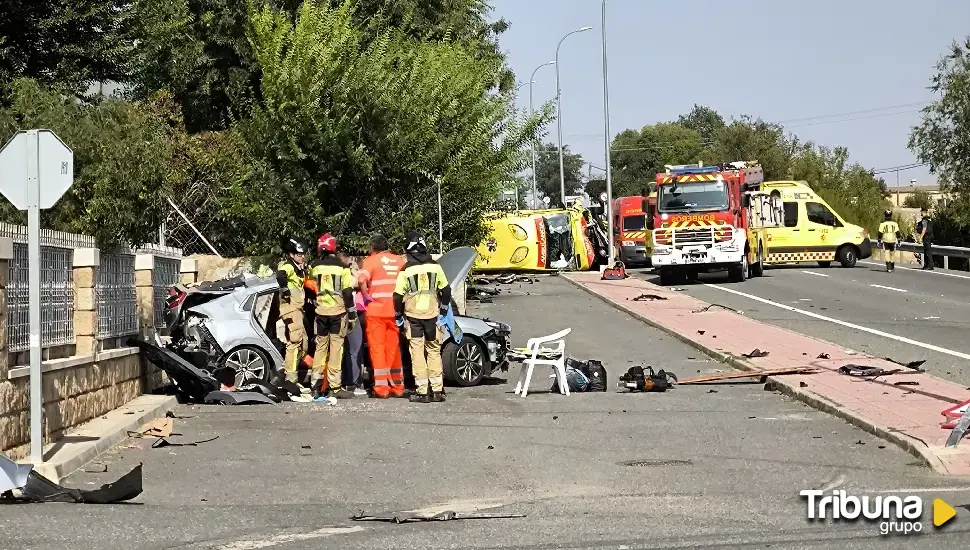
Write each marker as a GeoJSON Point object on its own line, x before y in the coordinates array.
{"type": "Point", "coordinates": [722, 466]}
{"type": "Point", "coordinates": [906, 315]}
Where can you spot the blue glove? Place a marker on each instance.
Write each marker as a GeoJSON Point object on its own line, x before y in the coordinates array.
{"type": "Point", "coordinates": [399, 321]}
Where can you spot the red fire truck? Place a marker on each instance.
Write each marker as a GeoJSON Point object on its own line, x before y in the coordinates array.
{"type": "Point", "coordinates": [630, 233]}
{"type": "Point", "coordinates": [711, 218]}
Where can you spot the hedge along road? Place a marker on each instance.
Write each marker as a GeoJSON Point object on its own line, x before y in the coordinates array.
{"type": "Point", "coordinates": [906, 315]}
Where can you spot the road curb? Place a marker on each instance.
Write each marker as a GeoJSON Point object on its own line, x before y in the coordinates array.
{"type": "Point", "coordinates": [105, 433]}
{"type": "Point", "coordinates": [915, 447]}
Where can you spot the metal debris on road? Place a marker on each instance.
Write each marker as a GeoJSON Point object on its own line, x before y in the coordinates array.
{"type": "Point", "coordinates": [645, 297]}
{"type": "Point", "coordinates": [442, 516]}
{"type": "Point", "coordinates": [915, 365]}
{"type": "Point", "coordinates": [823, 356]}
{"type": "Point", "coordinates": [162, 442]}
{"type": "Point", "coordinates": [708, 307]}
{"type": "Point", "coordinates": [32, 487]}
{"type": "Point", "coordinates": [755, 353]}
{"type": "Point", "coordinates": [866, 372]}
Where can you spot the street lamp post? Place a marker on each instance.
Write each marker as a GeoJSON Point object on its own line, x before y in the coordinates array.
{"type": "Point", "coordinates": [606, 122]}
{"type": "Point", "coordinates": [517, 88]}
{"type": "Point", "coordinates": [531, 82]}
{"type": "Point", "coordinates": [562, 173]}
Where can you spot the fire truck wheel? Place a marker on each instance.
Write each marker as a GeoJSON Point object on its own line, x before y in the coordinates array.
{"type": "Point", "coordinates": [739, 273]}
{"type": "Point", "coordinates": [670, 277]}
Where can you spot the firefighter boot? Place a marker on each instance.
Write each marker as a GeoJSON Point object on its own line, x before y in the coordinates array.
{"type": "Point", "coordinates": [889, 267]}
{"type": "Point", "coordinates": [438, 396]}
{"type": "Point", "coordinates": [419, 398]}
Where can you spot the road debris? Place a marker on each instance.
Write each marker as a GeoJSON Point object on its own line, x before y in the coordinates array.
{"type": "Point", "coordinates": [914, 365]}
{"type": "Point", "coordinates": [906, 383]}
{"type": "Point", "coordinates": [823, 356]}
{"type": "Point", "coordinates": [22, 484]}
{"type": "Point", "coordinates": [755, 353]}
{"type": "Point", "coordinates": [161, 427]}
{"type": "Point", "coordinates": [645, 297]}
{"type": "Point", "coordinates": [396, 517]}
{"type": "Point", "coordinates": [161, 442]}
{"type": "Point", "coordinates": [645, 379]}
{"type": "Point", "coordinates": [749, 374]}
{"type": "Point", "coordinates": [866, 372]}
{"type": "Point", "coordinates": [708, 307]}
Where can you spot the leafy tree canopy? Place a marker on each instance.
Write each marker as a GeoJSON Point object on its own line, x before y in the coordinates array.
{"type": "Point", "coordinates": [943, 136]}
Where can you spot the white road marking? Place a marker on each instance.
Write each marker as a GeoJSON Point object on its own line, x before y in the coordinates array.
{"type": "Point", "coordinates": [895, 337]}
{"type": "Point", "coordinates": [934, 272]}
{"type": "Point", "coordinates": [817, 274]}
{"type": "Point", "coordinates": [286, 538]}
{"type": "Point", "coordinates": [890, 288]}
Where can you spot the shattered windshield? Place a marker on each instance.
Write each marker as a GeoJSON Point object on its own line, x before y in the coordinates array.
{"type": "Point", "coordinates": [693, 196]}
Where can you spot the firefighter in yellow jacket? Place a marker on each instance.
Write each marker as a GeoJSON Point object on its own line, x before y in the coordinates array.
{"type": "Point", "coordinates": [335, 314]}
{"type": "Point", "coordinates": [889, 237]}
{"type": "Point", "coordinates": [421, 294]}
{"type": "Point", "coordinates": [290, 275]}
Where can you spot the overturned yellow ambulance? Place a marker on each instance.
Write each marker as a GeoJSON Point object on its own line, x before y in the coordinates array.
{"type": "Point", "coordinates": [542, 240]}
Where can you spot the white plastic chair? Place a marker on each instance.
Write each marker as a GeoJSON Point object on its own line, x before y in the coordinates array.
{"type": "Point", "coordinates": [557, 362]}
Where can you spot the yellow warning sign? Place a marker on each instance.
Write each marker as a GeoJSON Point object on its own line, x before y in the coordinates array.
{"type": "Point", "coordinates": [942, 512]}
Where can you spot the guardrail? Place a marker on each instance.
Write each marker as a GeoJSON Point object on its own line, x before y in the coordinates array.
{"type": "Point", "coordinates": [946, 251]}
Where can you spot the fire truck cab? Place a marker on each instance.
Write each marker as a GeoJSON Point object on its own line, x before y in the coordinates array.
{"type": "Point", "coordinates": [712, 218]}
{"type": "Point", "coordinates": [631, 238]}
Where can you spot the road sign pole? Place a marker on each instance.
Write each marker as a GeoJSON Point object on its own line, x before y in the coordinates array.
{"type": "Point", "coordinates": [36, 169]}
{"type": "Point", "coordinates": [33, 280]}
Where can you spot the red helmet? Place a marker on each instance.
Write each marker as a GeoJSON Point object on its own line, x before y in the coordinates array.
{"type": "Point", "coordinates": [327, 242]}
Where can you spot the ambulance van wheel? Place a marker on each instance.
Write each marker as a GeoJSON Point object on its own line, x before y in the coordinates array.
{"type": "Point", "coordinates": [847, 256]}
{"type": "Point", "coordinates": [824, 264]}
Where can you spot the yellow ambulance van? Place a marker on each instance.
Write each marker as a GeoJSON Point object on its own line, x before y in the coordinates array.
{"type": "Point", "coordinates": [812, 231]}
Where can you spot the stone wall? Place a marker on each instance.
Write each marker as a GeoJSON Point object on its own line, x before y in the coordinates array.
{"type": "Point", "coordinates": [76, 390]}
{"type": "Point", "coordinates": [99, 375]}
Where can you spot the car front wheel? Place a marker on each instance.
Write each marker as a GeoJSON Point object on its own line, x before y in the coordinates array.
{"type": "Point", "coordinates": [465, 363]}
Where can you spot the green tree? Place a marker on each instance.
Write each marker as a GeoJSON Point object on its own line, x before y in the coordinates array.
{"type": "Point", "coordinates": [199, 50]}
{"type": "Point", "coordinates": [123, 161]}
{"type": "Point", "coordinates": [547, 172]}
{"type": "Point", "coordinates": [356, 134]}
{"type": "Point", "coordinates": [705, 121]}
{"type": "Point", "coordinates": [943, 136]}
{"type": "Point", "coordinates": [638, 156]}
{"type": "Point", "coordinates": [919, 199]}
{"type": "Point", "coordinates": [70, 43]}
{"type": "Point", "coordinates": [754, 139]}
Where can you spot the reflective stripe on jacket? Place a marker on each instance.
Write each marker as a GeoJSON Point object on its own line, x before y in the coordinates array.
{"type": "Point", "coordinates": [294, 282]}
{"type": "Point", "coordinates": [379, 271]}
{"type": "Point", "coordinates": [334, 283]}
{"type": "Point", "coordinates": [419, 285]}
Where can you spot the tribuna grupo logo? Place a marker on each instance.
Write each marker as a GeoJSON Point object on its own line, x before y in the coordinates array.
{"type": "Point", "coordinates": [899, 515]}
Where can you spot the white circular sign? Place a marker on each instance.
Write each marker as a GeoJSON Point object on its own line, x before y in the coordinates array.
{"type": "Point", "coordinates": [603, 196]}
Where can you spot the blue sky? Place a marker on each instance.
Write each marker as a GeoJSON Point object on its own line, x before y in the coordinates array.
{"type": "Point", "coordinates": [866, 60]}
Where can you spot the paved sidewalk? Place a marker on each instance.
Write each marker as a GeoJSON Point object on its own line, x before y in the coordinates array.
{"type": "Point", "coordinates": [906, 415]}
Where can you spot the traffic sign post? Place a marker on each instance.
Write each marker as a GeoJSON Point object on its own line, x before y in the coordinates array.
{"type": "Point", "coordinates": [36, 169]}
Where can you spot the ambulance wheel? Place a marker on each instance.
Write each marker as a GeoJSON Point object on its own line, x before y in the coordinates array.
{"type": "Point", "coordinates": [670, 277]}
{"type": "Point", "coordinates": [847, 256]}
{"type": "Point", "coordinates": [758, 269]}
{"type": "Point", "coordinates": [824, 264]}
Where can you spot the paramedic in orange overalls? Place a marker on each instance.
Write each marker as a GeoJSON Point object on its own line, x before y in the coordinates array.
{"type": "Point", "coordinates": [377, 277]}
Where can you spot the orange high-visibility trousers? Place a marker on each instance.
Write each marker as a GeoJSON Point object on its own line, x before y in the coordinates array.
{"type": "Point", "coordinates": [383, 340]}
